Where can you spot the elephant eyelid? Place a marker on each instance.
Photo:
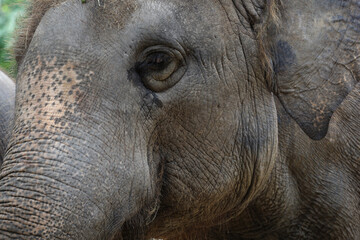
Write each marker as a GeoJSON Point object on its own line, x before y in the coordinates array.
{"type": "Point", "coordinates": [160, 67]}
{"type": "Point", "coordinates": [155, 62]}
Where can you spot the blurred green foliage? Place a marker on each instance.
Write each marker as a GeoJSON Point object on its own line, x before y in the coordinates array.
{"type": "Point", "coordinates": [10, 11]}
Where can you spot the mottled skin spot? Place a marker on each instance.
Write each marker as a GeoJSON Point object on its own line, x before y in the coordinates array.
{"type": "Point", "coordinates": [53, 108]}
{"type": "Point", "coordinates": [45, 107]}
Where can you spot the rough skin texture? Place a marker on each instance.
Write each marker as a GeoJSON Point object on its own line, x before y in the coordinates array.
{"type": "Point", "coordinates": [176, 120]}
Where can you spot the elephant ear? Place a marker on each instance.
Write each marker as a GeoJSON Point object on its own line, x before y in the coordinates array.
{"type": "Point", "coordinates": [314, 51]}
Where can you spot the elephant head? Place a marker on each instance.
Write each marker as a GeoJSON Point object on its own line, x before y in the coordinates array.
{"type": "Point", "coordinates": [159, 118]}
{"type": "Point", "coordinates": [7, 102]}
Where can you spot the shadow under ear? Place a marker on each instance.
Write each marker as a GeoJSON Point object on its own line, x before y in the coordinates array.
{"type": "Point", "coordinates": [314, 51]}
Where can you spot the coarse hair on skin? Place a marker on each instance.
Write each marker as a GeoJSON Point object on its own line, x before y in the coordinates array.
{"type": "Point", "coordinates": [271, 19]}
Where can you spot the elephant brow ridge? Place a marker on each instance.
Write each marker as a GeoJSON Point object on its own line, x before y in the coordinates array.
{"type": "Point", "coordinates": [36, 9]}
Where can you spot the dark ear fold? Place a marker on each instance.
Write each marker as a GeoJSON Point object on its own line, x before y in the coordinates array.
{"type": "Point", "coordinates": [314, 50]}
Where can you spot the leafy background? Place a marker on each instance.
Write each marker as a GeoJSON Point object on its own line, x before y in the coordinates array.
{"type": "Point", "coordinates": [10, 13]}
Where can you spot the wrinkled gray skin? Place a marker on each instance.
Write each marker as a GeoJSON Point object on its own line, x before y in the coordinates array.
{"type": "Point", "coordinates": [106, 143]}
{"type": "Point", "coordinates": [7, 105]}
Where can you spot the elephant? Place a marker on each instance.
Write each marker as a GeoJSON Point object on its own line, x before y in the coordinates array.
{"type": "Point", "coordinates": [7, 105]}
{"type": "Point", "coordinates": [138, 119]}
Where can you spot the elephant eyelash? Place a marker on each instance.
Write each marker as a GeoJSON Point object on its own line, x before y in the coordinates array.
{"type": "Point", "coordinates": [155, 62]}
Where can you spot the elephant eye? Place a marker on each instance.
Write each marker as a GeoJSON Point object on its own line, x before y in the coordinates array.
{"type": "Point", "coordinates": [160, 68]}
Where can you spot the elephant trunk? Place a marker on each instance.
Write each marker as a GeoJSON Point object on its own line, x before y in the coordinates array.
{"type": "Point", "coordinates": [52, 192]}
{"type": "Point", "coordinates": [69, 174]}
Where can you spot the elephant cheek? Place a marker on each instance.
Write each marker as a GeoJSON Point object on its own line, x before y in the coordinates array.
{"type": "Point", "coordinates": [259, 145]}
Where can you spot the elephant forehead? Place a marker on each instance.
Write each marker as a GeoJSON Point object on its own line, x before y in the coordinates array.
{"type": "Point", "coordinates": [118, 11]}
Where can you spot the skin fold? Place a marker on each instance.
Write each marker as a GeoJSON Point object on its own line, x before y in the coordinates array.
{"type": "Point", "coordinates": [7, 102]}
{"type": "Point", "coordinates": [139, 119]}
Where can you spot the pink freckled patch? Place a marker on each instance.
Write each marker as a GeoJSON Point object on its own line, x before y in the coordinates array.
{"type": "Point", "coordinates": [48, 92]}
